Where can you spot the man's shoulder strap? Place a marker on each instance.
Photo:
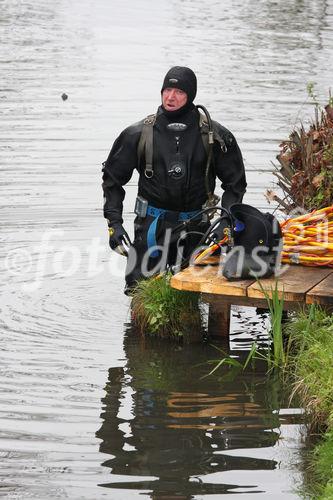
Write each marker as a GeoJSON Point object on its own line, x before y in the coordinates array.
{"type": "Point", "coordinates": [204, 129]}
{"type": "Point", "coordinates": [146, 144]}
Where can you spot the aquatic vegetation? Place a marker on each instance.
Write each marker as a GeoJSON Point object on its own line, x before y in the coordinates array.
{"type": "Point", "coordinates": [234, 366]}
{"type": "Point", "coordinates": [305, 175]}
{"type": "Point", "coordinates": [311, 334]}
{"type": "Point", "coordinates": [277, 354]}
{"type": "Point", "coordinates": [311, 370]}
{"type": "Point", "coordinates": [163, 311]}
{"type": "Point", "coordinates": [305, 170]}
{"type": "Point", "coordinates": [322, 459]}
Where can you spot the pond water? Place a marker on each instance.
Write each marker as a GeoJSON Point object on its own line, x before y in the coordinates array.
{"type": "Point", "coordinates": [89, 410]}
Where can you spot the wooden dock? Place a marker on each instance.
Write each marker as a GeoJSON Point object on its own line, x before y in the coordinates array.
{"type": "Point", "coordinates": [300, 285]}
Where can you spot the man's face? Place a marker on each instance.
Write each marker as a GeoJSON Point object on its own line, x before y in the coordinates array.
{"type": "Point", "coordinates": [173, 99]}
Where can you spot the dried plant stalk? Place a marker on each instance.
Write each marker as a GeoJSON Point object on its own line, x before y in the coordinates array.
{"type": "Point", "coordinates": [305, 168]}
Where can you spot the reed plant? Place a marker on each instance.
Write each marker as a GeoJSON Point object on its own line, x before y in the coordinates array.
{"type": "Point", "coordinates": [160, 310]}
{"type": "Point", "coordinates": [277, 354]}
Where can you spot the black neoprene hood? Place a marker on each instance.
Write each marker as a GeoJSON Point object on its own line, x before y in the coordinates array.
{"type": "Point", "coordinates": [183, 78]}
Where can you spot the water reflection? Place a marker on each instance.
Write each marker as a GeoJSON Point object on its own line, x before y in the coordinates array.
{"type": "Point", "coordinates": [168, 432]}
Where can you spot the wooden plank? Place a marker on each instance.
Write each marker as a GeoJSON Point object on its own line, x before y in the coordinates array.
{"type": "Point", "coordinates": [246, 301]}
{"type": "Point", "coordinates": [192, 278]}
{"type": "Point", "coordinates": [295, 282]}
{"type": "Point", "coordinates": [322, 293]}
{"type": "Point", "coordinates": [299, 283]}
{"type": "Point", "coordinates": [221, 286]}
{"type": "Point", "coordinates": [208, 279]}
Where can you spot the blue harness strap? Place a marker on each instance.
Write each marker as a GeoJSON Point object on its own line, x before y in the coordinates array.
{"type": "Point", "coordinates": [158, 213]}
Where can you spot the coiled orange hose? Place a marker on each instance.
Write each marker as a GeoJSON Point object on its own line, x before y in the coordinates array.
{"type": "Point", "coordinates": [308, 238]}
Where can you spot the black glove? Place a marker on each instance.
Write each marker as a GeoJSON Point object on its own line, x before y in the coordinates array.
{"type": "Point", "coordinates": [118, 237]}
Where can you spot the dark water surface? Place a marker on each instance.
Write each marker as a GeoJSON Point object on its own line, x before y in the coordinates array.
{"type": "Point", "coordinates": [87, 409]}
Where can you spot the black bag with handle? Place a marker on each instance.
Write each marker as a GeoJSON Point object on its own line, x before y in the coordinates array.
{"type": "Point", "coordinates": [256, 244]}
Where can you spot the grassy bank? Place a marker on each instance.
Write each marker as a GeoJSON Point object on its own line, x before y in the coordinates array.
{"type": "Point", "coordinates": [305, 175]}
{"type": "Point", "coordinates": [310, 365]}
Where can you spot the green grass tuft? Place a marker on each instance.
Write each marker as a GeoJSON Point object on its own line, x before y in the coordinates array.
{"type": "Point", "coordinates": [311, 363]}
{"type": "Point", "coordinates": [161, 310]}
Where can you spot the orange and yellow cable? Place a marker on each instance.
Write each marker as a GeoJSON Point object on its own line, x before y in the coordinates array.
{"type": "Point", "coordinates": [308, 239]}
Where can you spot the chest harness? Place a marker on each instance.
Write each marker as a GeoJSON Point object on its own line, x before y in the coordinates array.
{"type": "Point", "coordinates": [145, 147]}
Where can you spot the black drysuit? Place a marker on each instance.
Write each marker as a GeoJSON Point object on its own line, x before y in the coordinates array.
{"type": "Point", "coordinates": [176, 193]}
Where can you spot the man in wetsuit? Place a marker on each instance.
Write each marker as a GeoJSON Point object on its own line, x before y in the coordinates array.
{"type": "Point", "coordinates": [169, 151]}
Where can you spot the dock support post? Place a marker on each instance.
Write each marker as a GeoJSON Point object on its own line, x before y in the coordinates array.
{"type": "Point", "coordinates": [219, 318]}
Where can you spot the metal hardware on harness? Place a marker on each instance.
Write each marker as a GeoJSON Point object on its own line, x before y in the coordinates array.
{"type": "Point", "coordinates": [141, 205]}
{"type": "Point", "coordinates": [211, 202]}
{"type": "Point", "coordinates": [212, 134]}
{"type": "Point", "coordinates": [149, 171]}
{"type": "Point", "coordinates": [150, 119]}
